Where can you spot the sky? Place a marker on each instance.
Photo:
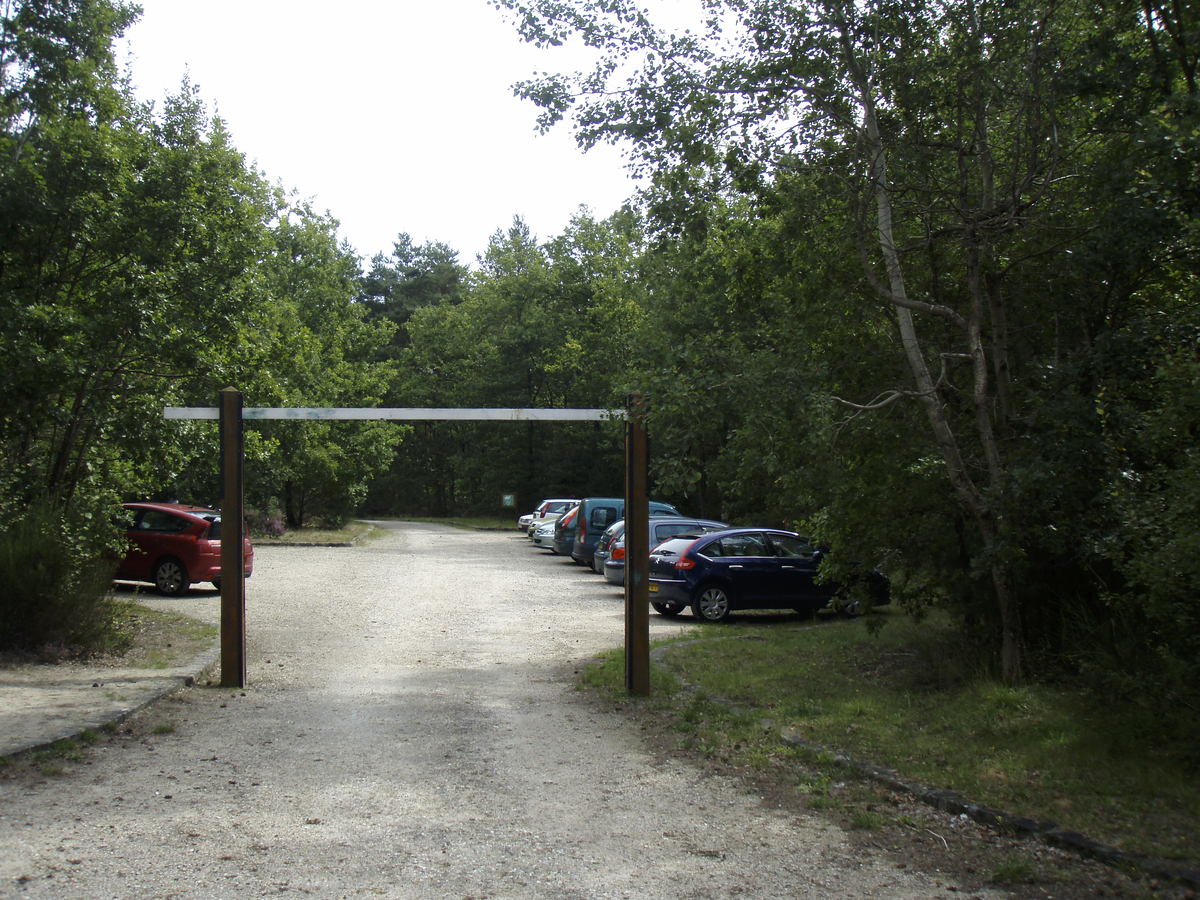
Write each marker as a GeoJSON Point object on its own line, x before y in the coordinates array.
{"type": "Point", "coordinates": [392, 115]}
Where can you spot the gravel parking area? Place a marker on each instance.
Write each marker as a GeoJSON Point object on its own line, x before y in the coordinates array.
{"type": "Point", "coordinates": [410, 730]}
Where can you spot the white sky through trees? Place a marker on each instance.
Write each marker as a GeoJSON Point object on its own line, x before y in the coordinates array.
{"type": "Point", "coordinates": [393, 116]}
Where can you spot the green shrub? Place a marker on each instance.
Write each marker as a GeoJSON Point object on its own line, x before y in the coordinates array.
{"type": "Point", "coordinates": [56, 595]}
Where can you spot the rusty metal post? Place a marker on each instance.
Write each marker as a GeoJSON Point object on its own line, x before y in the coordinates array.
{"type": "Point", "coordinates": [637, 550]}
{"type": "Point", "coordinates": [233, 514]}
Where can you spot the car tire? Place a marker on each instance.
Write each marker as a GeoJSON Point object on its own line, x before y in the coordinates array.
{"type": "Point", "coordinates": [670, 610]}
{"type": "Point", "coordinates": [712, 603]}
{"type": "Point", "coordinates": [170, 577]}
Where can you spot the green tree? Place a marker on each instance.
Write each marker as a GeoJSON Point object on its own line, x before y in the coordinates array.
{"type": "Point", "coordinates": [411, 278]}
{"type": "Point", "coordinates": [961, 141]}
{"type": "Point", "coordinates": [541, 324]}
{"type": "Point", "coordinates": [317, 347]}
{"type": "Point", "coordinates": [129, 244]}
{"type": "Point", "coordinates": [56, 62]}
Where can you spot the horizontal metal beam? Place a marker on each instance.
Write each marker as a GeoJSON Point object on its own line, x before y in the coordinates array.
{"type": "Point", "coordinates": [400, 413]}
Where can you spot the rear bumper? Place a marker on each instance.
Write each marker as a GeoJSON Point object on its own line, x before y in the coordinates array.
{"type": "Point", "coordinates": [662, 591]}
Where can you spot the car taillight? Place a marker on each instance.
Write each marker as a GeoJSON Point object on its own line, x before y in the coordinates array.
{"type": "Point", "coordinates": [618, 553]}
{"type": "Point", "coordinates": [582, 530]}
{"type": "Point", "coordinates": [686, 562]}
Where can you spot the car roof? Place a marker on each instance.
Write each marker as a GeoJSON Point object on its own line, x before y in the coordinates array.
{"type": "Point", "coordinates": [203, 512]}
{"type": "Point", "coordinates": [767, 531]}
{"type": "Point", "coordinates": [754, 530]}
{"type": "Point", "coordinates": [708, 536]}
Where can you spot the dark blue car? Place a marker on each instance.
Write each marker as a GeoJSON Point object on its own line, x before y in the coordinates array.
{"type": "Point", "coordinates": [743, 568]}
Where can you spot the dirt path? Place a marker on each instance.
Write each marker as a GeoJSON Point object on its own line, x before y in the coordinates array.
{"type": "Point", "coordinates": [410, 731]}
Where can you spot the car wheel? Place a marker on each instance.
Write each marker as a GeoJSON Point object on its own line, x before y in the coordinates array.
{"type": "Point", "coordinates": [712, 604]}
{"type": "Point", "coordinates": [216, 582]}
{"type": "Point", "coordinates": [170, 577]}
{"type": "Point", "coordinates": [666, 609]}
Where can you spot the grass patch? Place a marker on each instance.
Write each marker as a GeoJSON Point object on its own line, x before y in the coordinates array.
{"type": "Point", "coordinates": [158, 639]}
{"type": "Point", "coordinates": [606, 674]}
{"type": "Point", "coordinates": [359, 531]}
{"type": "Point", "coordinates": [900, 698]}
{"type": "Point", "coordinates": [478, 523]}
{"type": "Point", "coordinates": [1015, 868]}
{"type": "Point", "coordinates": [49, 761]}
{"type": "Point", "coordinates": [867, 820]}
{"type": "Point", "coordinates": [315, 534]}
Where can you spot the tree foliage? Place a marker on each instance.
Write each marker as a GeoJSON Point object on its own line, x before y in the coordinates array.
{"type": "Point", "coordinates": [1013, 187]}
{"type": "Point", "coordinates": [144, 264]}
{"type": "Point", "coordinates": [540, 324]}
{"type": "Point", "coordinates": [318, 348]}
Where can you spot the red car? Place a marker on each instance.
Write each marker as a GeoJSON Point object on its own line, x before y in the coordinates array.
{"type": "Point", "coordinates": [174, 546]}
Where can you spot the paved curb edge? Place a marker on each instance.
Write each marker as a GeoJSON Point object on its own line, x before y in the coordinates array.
{"type": "Point", "coordinates": [177, 679]}
{"type": "Point", "coordinates": [952, 802]}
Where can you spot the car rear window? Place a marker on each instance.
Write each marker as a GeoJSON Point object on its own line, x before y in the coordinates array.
{"type": "Point", "coordinates": [162, 522]}
{"type": "Point", "coordinates": [603, 516]}
{"type": "Point", "coordinates": [674, 546]}
{"type": "Point", "coordinates": [664, 530]}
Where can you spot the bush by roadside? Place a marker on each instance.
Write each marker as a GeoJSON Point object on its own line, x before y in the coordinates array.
{"type": "Point", "coordinates": [56, 599]}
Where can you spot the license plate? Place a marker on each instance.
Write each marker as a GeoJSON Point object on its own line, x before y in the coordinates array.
{"type": "Point", "coordinates": [653, 588]}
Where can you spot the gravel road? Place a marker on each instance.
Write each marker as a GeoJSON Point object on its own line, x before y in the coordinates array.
{"type": "Point", "coordinates": [410, 730]}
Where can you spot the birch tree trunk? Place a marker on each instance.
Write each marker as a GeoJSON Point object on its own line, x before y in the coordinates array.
{"type": "Point", "coordinates": [965, 487]}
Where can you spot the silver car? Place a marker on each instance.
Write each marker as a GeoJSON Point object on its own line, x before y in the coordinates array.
{"type": "Point", "coordinates": [660, 530]}
{"type": "Point", "coordinates": [543, 535]}
{"type": "Point", "coordinates": [547, 512]}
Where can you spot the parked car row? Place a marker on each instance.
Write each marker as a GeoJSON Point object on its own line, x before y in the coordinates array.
{"type": "Point", "coordinates": [704, 565]}
{"type": "Point", "coordinates": [547, 511]}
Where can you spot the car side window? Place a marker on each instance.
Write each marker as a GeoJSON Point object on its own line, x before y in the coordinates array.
{"type": "Point", "coordinates": [161, 522]}
{"type": "Point", "coordinates": [664, 530]}
{"type": "Point", "coordinates": [735, 545]}
{"type": "Point", "coordinates": [792, 547]}
{"type": "Point", "coordinates": [603, 516]}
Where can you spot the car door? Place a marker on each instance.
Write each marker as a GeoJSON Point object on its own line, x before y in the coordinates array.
{"type": "Point", "coordinates": [750, 567]}
{"type": "Point", "coordinates": [155, 533]}
{"type": "Point", "coordinates": [796, 571]}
